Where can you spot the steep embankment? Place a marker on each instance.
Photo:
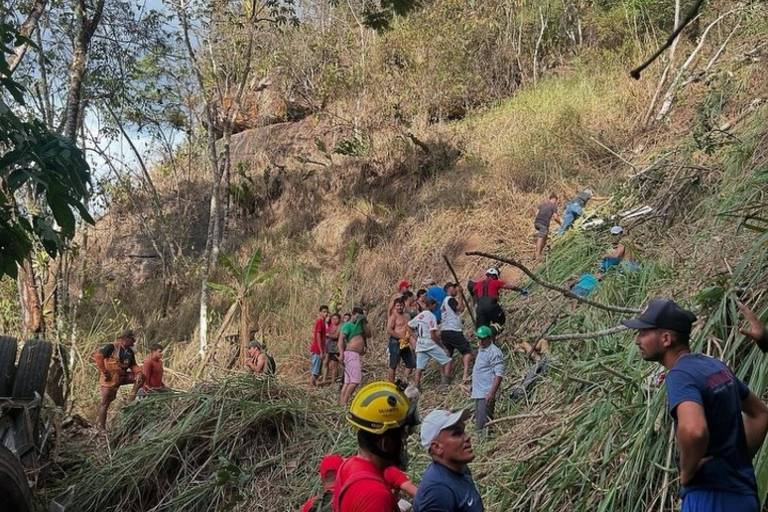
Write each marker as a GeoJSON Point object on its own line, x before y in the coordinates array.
{"type": "Point", "coordinates": [593, 434]}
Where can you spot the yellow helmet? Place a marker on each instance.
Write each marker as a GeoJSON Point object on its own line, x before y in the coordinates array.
{"type": "Point", "coordinates": [378, 407]}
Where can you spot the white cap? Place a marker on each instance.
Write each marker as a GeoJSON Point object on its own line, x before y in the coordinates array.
{"type": "Point", "coordinates": [439, 420]}
{"type": "Point", "coordinates": [617, 230]}
{"type": "Point", "coordinates": [428, 282]}
{"type": "Point", "coordinates": [492, 271]}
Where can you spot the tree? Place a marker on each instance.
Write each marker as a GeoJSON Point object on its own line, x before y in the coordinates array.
{"type": "Point", "coordinates": [244, 279]}
{"type": "Point", "coordinates": [37, 161]}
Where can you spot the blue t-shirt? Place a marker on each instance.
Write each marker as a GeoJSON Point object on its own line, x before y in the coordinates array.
{"type": "Point", "coordinates": [710, 383]}
{"type": "Point", "coordinates": [439, 295]}
{"type": "Point", "coordinates": [444, 490]}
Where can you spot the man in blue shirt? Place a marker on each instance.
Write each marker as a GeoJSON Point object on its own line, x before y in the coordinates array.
{"type": "Point", "coordinates": [437, 293]}
{"type": "Point", "coordinates": [447, 484]}
{"type": "Point", "coordinates": [719, 424]}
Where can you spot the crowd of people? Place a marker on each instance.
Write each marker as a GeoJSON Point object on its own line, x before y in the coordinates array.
{"type": "Point", "coordinates": [719, 423]}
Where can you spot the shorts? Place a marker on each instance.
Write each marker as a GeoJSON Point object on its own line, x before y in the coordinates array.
{"type": "Point", "coordinates": [316, 364]}
{"type": "Point", "coordinates": [396, 354]}
{"type": "Point", "coordinates": [353, 368]}
{"type": "Point", "coordinates": [333, 356]}
{"type": "Point", "coordinates": [436, 353]}
{"type": "Point", "coordinates": [541, 230]}
{"type": "Point", "coordinates": [455, 340]}
{"type": "Point", "coordinates": [701, 500]}
{"type": "Point", "coordinates": [331, 347]}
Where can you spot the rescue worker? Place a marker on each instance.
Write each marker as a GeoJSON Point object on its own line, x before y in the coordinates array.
{"type": "Point", "coordinates": [117, 363]}
{"type": "Point", "coordinates": [382, 415]}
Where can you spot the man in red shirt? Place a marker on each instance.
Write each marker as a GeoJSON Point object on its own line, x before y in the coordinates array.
{"type": "Point", "coordinates": [317, 348]}
{"type": "Point", "coordinates": [153, 370]}
{"type": "Point", "coordinates": [486, 292]}
{"type": "Point", "coordinates": [380, 412]}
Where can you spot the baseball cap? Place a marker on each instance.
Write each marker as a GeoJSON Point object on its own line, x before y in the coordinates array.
{"type": "Point", "coordinates": [617, 230]}
{"type": "Point", "coordinates": [663, 314]}
{"type": "Point", "coordinates": [328, 463]}
{"type": "Point", "coordinates": [493, 271]}
{"type": "Point", "coordinates": [403, 284]}
{"type": "Point", "coordinates": [439, 420]}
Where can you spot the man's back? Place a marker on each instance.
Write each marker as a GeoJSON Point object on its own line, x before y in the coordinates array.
{"type": "Point", "coordinates": [710, 383]}
{"type": "Point", "coordinates": [360, 487]}
{"type": "Point", "coordinates": [444, 490]}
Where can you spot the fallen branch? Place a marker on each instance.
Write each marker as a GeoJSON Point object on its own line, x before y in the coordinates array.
{"type": "Point", "coordinates": [586, 335]}
{"type": "Point", "coordinates": [565, 291]}
{"type": "Point", "coordinates": [635, 73]}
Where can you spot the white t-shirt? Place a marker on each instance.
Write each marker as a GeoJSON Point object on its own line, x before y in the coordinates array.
{"type": "Point", "coordinates": [424, 323]}
{"type": "Point", "coordinates": [450, 320]}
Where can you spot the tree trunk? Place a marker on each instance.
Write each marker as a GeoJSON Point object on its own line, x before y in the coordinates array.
{"type": "Point", "coordinates": [27, 29]}
{"type": "Point", "coordinates": [72, 111]}
{"type": "Point", "coordinates": [32, 311]}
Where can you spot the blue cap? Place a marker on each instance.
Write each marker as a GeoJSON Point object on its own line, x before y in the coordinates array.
{"type": "Point", "coordinates": [663, 314]}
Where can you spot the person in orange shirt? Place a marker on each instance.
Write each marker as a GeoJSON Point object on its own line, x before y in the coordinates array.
{"type": "Point", "coordinates": [117, 363]}
{"type": "Point", "coordinates": [153, 371]}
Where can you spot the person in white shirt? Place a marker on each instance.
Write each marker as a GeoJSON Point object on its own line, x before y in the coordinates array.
{"type": "Point", "coordinates": [428, 344]}
{"type": "Point", "coordinates": [451, 329]}
{"type": "Point", "coordinates": [486, 376]}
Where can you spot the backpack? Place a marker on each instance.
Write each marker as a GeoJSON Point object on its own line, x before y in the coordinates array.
{"type": "Point", "coordinates": [271, 366]}
{"type": "Point", "coordinates": [323, 502]}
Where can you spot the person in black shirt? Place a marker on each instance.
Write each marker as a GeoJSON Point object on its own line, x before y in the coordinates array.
{"type": "Point", "coordinates": [117, 363]}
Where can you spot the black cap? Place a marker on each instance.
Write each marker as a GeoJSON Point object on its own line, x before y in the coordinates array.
{"type": "Point", "coordinates": [663, 314]}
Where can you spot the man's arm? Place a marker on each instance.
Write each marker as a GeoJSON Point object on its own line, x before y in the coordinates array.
{"type": "Point", "coordinates": [317, 339]}
{"type": "Point", "coordinates": [692, 438]}
{"type": "Point", "coordinates": [755, 416]}
{"type": "Point", "coordinates": [755, 330]}
{"type": "Point", "coordinates": [556, 218]}
{"type": "Point", "coordinates": [340, 344]}
{"type": "Point", "coordinates": [509, 286]}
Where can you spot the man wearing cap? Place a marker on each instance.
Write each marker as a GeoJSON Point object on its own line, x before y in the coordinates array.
{"type": "Point", "coordinates": [447, 484]}
{"type": "Point", "coordinates": [719, 424]}
{"type": "Point", "coordinates": [486, 292]}
{"type": "Point", "coordinates": [116, 362]}
{"type": "Point", "coordinates": [486, 376]}
{"type": "Point", "coordinates": [402, 287]}
{"type": "Point", "coordinates": [329, 465]}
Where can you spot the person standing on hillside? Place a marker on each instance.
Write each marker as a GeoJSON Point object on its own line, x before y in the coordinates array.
{"type": "Point", "coordinates": [402, 287]}
{"type": "Point", "coordinates": [332, 349]}
{"type": "Point", "coordinates": [152, 371]}
{"type": "Point", "coordinates": [399, 347]}
{"type": "Point", "coordinates": [544, 215]}
{"type": "Point", "coordinates": [353, 340]}
{"type": "Point", "coordinates": [452, 330]}
{"type": "Point", "coordinates": [317, 348]}
{"type": "Point", "coordinates": [574, 209]}
{"type": "Point", "coordinates": [486, 376]}
{"type": "Point", "coordinates": [488, 310]}
{"type": "Point", "coordinates": [428, 345]}
{"type": "Point", "coordinates": [447, 484]}
{"type": "Point", "coordinates": [117, 363]}
{"type": "Point", "coordinates": [719, 424]}
{"type": "Point", "coordinates": [438, 294]}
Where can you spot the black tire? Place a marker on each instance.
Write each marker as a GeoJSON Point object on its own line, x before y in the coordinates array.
{"type": "Point", "coordinates": [7, 364]}
{"type": "Point", "coordinates": [15, 495]}
{"type": "Point", "coordinates": [32, 370]}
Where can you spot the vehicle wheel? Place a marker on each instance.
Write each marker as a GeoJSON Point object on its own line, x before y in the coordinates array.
{"type": "Point", "coordinates": [7, 364]}
{"type": "Point", "coordinates": [14, 489]}
{"type": "Point", "coordinates": [32, 370]}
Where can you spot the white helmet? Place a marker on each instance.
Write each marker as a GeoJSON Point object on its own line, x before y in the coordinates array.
{"type": "Point", "coordinates": [493, 271]}
{"type": "Point", "coordinates": [617, 230]}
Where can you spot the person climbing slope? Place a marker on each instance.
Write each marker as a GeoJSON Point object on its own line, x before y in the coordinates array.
{"type": "Point", "coordinates": [574, 208]}
{"type": "Point", "coordinates": [545, 213]}
{"type": "Point", "coordinates": [719, 423]}
{"type": "Point", "coordinates": [486, 292]}
{"type": "Point", "coordinates": [117, 363]}
{"type": "Point", "coordinates": [452, 329]}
